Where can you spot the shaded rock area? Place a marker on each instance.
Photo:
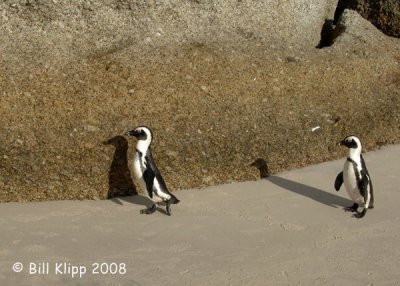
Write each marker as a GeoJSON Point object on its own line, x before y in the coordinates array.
{"type": "Point", "coordinates": [384, 14]}
{"type": "Point", "coordinates": [221, 83]}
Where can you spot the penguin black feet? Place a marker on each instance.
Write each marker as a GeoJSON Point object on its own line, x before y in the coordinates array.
{"type": "Point", "coordinates": [353, 208]}
{"type": "Point", "coordinates": [149, 210]}
{"type": "Point", "coordinates": [168, 207]}
{"type": "Point", "coordinates": [361, 214]}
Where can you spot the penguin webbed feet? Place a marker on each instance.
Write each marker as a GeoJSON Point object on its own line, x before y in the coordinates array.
{"type": "Point", "coordinates": [168, 208]}
{"type": "Point", "coordinates": [361, 214]}
{"type": "Point", "coordinates": [149, 210]}
{"type": "Point", "coordinates": [353, 208]}
{"type": "Point", "coordinates": [168, 203]}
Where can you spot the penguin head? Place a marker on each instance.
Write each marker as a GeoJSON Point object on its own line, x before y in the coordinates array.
{"type": "Point", "coordinates": [351, 142]}
{"type": "Point", "coordinates": [118, 142]}
{"type": "Point", "coordinates": [141, 133]}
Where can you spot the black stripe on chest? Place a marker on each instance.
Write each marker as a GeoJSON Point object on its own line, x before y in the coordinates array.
{"type": "Point", "coordinates": [356, 171]}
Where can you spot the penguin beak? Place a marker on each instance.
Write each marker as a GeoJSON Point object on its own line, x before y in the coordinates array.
{"type": "Point", "coordinates": [340, 143]}
{"type": "Point", "coordinates": [132, 133]}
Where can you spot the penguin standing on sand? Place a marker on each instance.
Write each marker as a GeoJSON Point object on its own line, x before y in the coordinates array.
{"type": "Point", "coordinates": [147, 173]}
{"type": "Point", "coordinates": [356, 178]}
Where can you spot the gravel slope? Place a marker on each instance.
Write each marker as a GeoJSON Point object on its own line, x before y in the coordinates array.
{"type": "Point", "coordinates": [74, 80]}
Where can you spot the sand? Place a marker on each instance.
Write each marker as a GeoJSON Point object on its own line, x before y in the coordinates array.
{"type": "Point", "coordinates": [289, 229]}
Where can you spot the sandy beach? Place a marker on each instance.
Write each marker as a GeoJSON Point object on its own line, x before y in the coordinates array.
{"type": "Point", "coordinates": [288, 229]}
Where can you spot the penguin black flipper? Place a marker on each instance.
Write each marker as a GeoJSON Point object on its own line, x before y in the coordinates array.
{"type": "Point", "coordinates": [363, 187]}
{"type": "Point", "coordinates": [363, 165]}
{"type": "Point", "coordinates": [363, 184]}
{"type": "Point", "coordinates": [154, 171]}
{"type": "Point", "coordinates": [157, 176]}
{"type": "Point", "coordinates": [339, 181]}
{"type": "Point", "coordinates": [148, 176]}
{"type": "Point", "coordinates": [371, 189]}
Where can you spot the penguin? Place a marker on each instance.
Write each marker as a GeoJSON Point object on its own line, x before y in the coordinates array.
{"type": "Point", "coordinates": [147, 173]}
{"type": "Point", "coordinates": [356, 178]}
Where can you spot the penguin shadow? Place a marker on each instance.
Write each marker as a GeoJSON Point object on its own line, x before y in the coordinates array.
{"type": "Point", "coordinates": [134, 199]}
{"type": "Point", "coordinates": [120, 182]}
{"type": "Point", "coordinates": [313, 193]}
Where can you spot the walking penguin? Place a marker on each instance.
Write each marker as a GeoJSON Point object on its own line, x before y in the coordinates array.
{"type": "Point", "coordinates": [147, 173]}
{"type": "Point", "coordinates": [356, 178]}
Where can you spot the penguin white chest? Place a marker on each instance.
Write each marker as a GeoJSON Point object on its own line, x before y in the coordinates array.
{"type": "Point", "coordinates": [138, 169]}
{"type": "Point", "coordinates": [138, 166]}
{"type": "Point", "coordinates": [350, 183]}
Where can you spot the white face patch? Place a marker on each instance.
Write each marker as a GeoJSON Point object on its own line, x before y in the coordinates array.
{"type": "Point", "coordinates": [354, 153]}
{"type": "Point", "coordinates": [143, 144]}
{"type": "Point", "coordinates": [355, 139]}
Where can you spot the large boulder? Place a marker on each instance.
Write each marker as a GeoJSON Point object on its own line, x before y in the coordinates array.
{"type": "Point", "coordinates": [384, 14]}
{"type": "Point", "coordinates": [221, 83]}
{"type": "Point", "coordinates": [38, 34]}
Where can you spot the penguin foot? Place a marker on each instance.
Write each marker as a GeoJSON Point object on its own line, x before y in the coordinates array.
{"type": "Point", "coordinates": [361, 214]}
{"type": "Point", "coordinates": [168, 207]}
{"type": "Point", "coordinates": [149, 210]}
{"type": "Point", "coordinates": [353, 208]}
